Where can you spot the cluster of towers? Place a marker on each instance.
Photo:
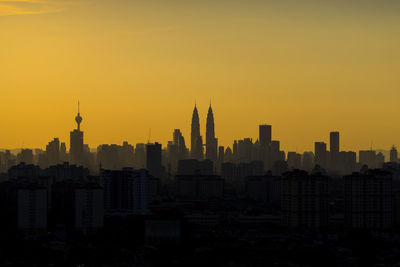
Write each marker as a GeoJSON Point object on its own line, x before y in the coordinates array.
{"type": "Point", "coordinates": [197, 146]}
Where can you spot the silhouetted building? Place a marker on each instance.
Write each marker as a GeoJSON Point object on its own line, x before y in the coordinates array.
{"type": "Point", "coordinates": [26, 156]}
{"type": "Point", "coordinates": [32, 207]}
{"type": "Point", "coordinates": [211, 141]}
{"type": "Point", "coordinates": [153, 160]}
{"type": "Point", "coordinates": [140, 156]}
{"type": "Point", "coordinates": [320, 154]}
{"type": "Point", "coordinates": [245, 150]}
{"type": "Point", "coordinates": [368, 200]}
{"type": "Point", "coordinates": [393, 154]}
{"type": "Point", "coordinates": [368, 157]}
{"type": "Point", "coordinates": [304, 200]}
{"type": "Point", "coordinates": [76, 151]}
{"type": "Point", "coordinates": [196, 139]}
{"type": "Point", "coordinates": [307, 161]}
{"type": "Point", "coordinates": [115, 157]}
{"type": "Point", "coordinates": [65, 171]}
{"type": "Point", "coordinates": [334, 142]}
{"type": "Point", "coordinates": [334, 151]}
{"type": "Point", "coordinates": [125, 191]}
{"type": "Point", "coordinates": [294, 160]}
{"type": "Point", "coordinates": [53, 152]}
{"type": "Point", "coordinates": [347, 162]}
{"type": "Point", "coordinates": [379, 160]}
{"type": "Point", "coordinates": [24, 170]}
{"type": "Point", "coordinates": [89, 207]}
{"type": "Point", "coordinates": [265, 135]}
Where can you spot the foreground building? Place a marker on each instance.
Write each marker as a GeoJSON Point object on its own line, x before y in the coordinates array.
{"type": "Point", "coordinates": [126, 191]}
{"type": "Point", "coordinates": [368, 200]}
{"type": "Point", "coordinates": [304, 200]}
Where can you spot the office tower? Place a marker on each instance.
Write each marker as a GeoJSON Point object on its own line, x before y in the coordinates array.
{"type": "Point", "coordinates": [368, 200]}
{"type": "Point", "coordinates": [196, 140]}
{"type": "Point", "coordinates": [89, 207]}
{"type": "Point", "coordinates": [235, 152]}
{"type": "Point", "coordinates": [265, 135]}
{"type": "Point", "coordinates": [63, 152]}
{"type": "Point", "coordinates": [334, 151]}
{"type": "Point", "coordinates": [140, 156]}
{"type": "Point", "coordinates": [127, 154]}
{"type": "Point", "coordinates": [53, 152]}
{"type": "Point", "coordinates": [245, 150]}
{"type": "Point", "coordinates": [179, 142]}
{"type": "Point", "coordinates": [153, 159]}
{"type": "Point", "coordinates": [211, 141]}
{"type": "Point", "coordinates": [304, 200]}
{"type": "Point", "coordinates": [368, 158]}
{"type": "Point", "coordinates": [334, 142]}
{"type": "Point", "coordinates": [320, 154]}
{"type": "Point", "coordinates": [393, 154]}
{"type": "Point", "coordinates": [76, 142]}
{"type": "Point", "coordinates": [32, 207]}
{"type": "Point", "coordinates": [125, 191]}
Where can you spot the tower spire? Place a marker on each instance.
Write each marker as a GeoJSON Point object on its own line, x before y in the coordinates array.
{"type": "Point", "coordinates": [78, 118]}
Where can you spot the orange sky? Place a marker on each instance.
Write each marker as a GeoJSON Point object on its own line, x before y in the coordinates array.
{"type": "Point", "coordinates": [305, 68]}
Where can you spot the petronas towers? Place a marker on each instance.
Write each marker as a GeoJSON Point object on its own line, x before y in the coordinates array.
{"type": "Point", "coordinates": [197, 151]}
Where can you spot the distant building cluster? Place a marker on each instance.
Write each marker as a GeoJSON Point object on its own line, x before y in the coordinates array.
{"type": "Point", "coordinates": [80, 189]}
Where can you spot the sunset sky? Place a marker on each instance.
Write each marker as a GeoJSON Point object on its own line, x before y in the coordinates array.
{"type": "Point", "coordinates": [306, 67]}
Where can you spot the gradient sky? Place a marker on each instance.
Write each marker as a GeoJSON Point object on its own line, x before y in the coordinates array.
{"type": "Point", "coordinates": [306, 67]}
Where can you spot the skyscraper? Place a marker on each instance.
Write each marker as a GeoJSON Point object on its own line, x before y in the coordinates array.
{"type": "Point", "coordinates": [211, 141]}
{"type": "Point", "coordinates": [53, 152]}
{"type": "Point", "coordinates": [265, 135]}
{"type": "Point", "coordinates": [153, 159]}
{"type": "Point", "coordinates": [76, 142]}
{"type": "Point", "coordinates": [334, 150]}
{"type": "Point", "coordinates": [320, 154]}
{"type": "Point", "coordinates": [196, 140]}
{"type": "Point", "coordinates": [334, 142]}
{"type": "Point", "coordinates": [393, 154]}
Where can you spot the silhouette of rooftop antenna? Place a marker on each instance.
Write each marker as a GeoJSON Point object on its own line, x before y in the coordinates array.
{"type": "Point", "coordinates": [148, 140]}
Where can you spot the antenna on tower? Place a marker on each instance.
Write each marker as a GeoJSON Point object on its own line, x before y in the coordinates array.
{"type": "Point", "coordinates": [78, 107]}
{"type": "Point", "coordinates": [148, 140]}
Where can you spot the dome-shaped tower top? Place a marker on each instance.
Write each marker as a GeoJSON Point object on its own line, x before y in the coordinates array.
{"type": "Point", "coordinates": [78, 118]}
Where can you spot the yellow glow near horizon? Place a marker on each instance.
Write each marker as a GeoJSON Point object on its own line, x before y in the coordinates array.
{"type": "Point", "coordinates": [306, 69]}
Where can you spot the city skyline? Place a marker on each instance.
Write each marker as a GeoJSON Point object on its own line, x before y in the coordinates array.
{"type": "Point", "coordinates": [196, 118]}
{"type": "Point", "coordinates": [306, 68]}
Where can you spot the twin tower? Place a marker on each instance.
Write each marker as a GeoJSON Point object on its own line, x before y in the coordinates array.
{"type": "Point", "coordinates": [197, 151]}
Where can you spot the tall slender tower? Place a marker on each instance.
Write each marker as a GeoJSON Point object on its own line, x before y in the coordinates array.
{"type": "Point", "coordinates": [196, 140]}
{"type": "Point", "coordinates": [76, 142]}
{"type": "Point", "coordinates": [211, 141]}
